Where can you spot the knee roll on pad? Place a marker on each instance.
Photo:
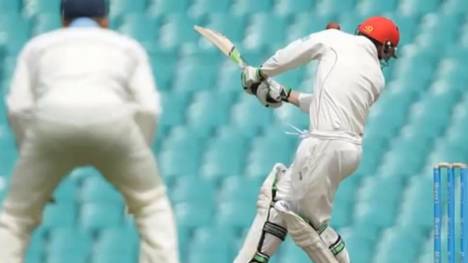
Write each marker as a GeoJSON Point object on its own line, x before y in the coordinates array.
{"type": "Point", "coordinates": [276, 230]}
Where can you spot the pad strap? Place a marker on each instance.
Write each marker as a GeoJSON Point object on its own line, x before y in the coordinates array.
{"type": "Point", "coordinates": [338, 246]}
{"type": "Point", "coordinates": [276, 230]}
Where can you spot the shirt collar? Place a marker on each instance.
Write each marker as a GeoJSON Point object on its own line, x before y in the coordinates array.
{"type": "Point", "coordinates": [83, 22]}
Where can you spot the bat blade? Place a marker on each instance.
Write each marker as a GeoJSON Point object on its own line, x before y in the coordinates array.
{"type": "Point", "coordinates": [222, 43]}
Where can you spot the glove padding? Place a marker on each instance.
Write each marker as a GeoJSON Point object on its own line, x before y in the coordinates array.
{"type": "Point", "coordinates": [251, 79]}
{"type": "Point", "coordinates": [271, 94]}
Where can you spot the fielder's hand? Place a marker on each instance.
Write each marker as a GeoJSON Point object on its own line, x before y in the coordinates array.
{"type": "Point", "coordinates": [250, 79]}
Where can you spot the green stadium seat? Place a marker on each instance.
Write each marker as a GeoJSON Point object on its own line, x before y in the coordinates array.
{"type": "Point", "coordinates": [418, 7]}
{"type": "Point", "coordinates": [34, 7]}
{"type": "Point", "coordinates": [36, 247]}
{"type": "Point", "coordinates": [234, 214]}
{"type": "Point", "coordinates": [349, 22]}
{"type": "Point", "coordinates": [205, 114]}
{"type": "Point", "coordinates": [373, 195]}
{"type": "Point", "coordinates": [46, 23]}
{"type": "Point", "coordinates": [68, 245]}
{"type": "Point", "coordinates": [121, 7]}
{"type": "Point", "coordinates": [295, 256]}
{"type": "Point", "coordinates": [407, 25]}
{"type": "Point", "coordinates": [98, 189]}
{"type": "Point", "coordinates": [96, 216]}
{"type": "Point", "coordinates": [246, 7]}
{"type": "Point", "coordinates": [419, 188]}
{"type": "Point", "coordinates": [206, 247]}
{"type": "Point", "coordinates": [9, 152]}
{"type": "Point", "coordinates": [119, 245]}
{"type": "Point", "coordinates": [174, 106]}
{"type": "Point", "coordinates": [164, 65]}
{"type": "Point", "coordinates": [14, 32]}
{"type": "Point", "coordinates": [230, 25]}
{"type": "Point", "coordinates": [370, 8]}
{"type": "Point", "coordinates": [303, 24]}
{"type": "Point", "coordinates": [183, 191]}
{"type": "Point", "coordinates": [59, 215]}
{"type": "Point", "coordinates": [292, 115]}
{"type": "Point", "coordinates": [143, 28]}
{"type": "Point", "coordinates": [192, 77]}
{"type": "Point", "coordinates": [291, 79]}
{"type": "Point", "coordinates": [247, 123]}
{"type": "Point", "coordinates": [278, 145]}
{"type": "Point", "coordinates": [360, 247]}
{"type": "Point", "coordinates": [193, 216]}
{"type": "Point", "coordinates": [206, 7]}
{"type": "Point", "coordinates": [258, 37]}
{"type": "Point", "coordinates": [179, 149]}
{"type": "Point", "coordinates": [177, 30]}
{"type": "Point", "coordinates": [292, 7]}
{"type": "Point", "coordinates": [446, 24]}
{"type": "Point", "coordinates": [342, 214]}
{"type": "Point", "coordinates": [408, 248]}
{"type": "Point", "coordinates": [10, 6]}
{"type": "Point", "coordinates": [455, 6]}
{"type": "Point", "coordinates": [66, 191]}
{"type": "Point", "coordinates": [163, 7]}
{"type": "Point", "coordinates": [448, 153]}
{"type": "Point", "coordinates": [239, 189]}
{"type": "Point", "coordinates": [230, 162]}
{"type": "Point", "coordinates": [336, 6]}
{"type": "Point", "coordinates": [80, 174]}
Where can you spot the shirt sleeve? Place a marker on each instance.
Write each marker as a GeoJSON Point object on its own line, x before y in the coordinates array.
{"type": "Point", "coordinates": [295, 54]}
{"type": "Point", "coordinates": [146, 96]}
{"type": "Point", "coordinates": [143, 87]}
{"type": "Point", "coordinates": [305, 99]}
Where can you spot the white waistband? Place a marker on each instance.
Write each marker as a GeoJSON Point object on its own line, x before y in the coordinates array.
{"type": "Point", "coordinates": [337, 135]}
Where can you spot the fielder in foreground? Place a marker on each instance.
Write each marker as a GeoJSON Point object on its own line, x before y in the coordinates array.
{"type": "Point", "coordinates": [84, 95]}
{"type": "Point", "coordinates": [298, 200]}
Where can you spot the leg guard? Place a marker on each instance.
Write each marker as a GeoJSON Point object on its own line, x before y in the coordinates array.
{"type": "Point", "coordinates": [305, 236]}
{"type": "Point", "coordinates": [335, 243]}
{"type": "Point", "coordinates": [267, 231]}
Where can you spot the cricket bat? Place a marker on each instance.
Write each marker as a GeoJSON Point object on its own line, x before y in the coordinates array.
{"type": "Point", "coordinates": [222, 43]}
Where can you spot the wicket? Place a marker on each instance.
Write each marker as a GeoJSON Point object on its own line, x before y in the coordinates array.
{"type": "Point", "coordinates": [451, 169]}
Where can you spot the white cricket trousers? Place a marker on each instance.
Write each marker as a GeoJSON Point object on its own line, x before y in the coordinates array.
{"type": "Point", "coordinates": [59, 140]}
{"type": "Point", "coordinates": [310, 183]}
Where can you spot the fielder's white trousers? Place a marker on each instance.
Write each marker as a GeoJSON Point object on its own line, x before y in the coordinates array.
{"type": "Point", "coordinates": [58, 140]}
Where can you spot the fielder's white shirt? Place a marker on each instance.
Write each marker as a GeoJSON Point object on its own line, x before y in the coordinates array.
{"type": "Point", "coordinates": [83, 67]}
{"type": "Point", "coordinates": [348, 80]}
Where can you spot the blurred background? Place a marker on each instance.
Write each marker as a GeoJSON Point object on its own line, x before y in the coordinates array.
{"type": "Point", "coordinates": [215, 144]}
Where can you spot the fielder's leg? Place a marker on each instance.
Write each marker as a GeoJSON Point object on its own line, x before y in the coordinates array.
{"type": "Point", "coordinates": [132, 168]}
{"type": "Point", "coordinates": [267, 231]}
{"type": "Point", "coordinates": [36, 175]}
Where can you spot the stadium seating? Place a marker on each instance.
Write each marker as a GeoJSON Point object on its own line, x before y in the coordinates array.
{"type": "Point", "coordinates": [215, 144]}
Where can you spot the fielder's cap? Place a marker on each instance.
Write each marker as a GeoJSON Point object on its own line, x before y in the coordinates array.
{"type": "Point", "coordinates": [83, 8]}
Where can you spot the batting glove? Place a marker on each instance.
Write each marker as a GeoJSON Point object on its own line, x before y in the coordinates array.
{"type": "Point", "coordinates": [251, 77]}
{"type": "Point", "coordinates": [272, 94]}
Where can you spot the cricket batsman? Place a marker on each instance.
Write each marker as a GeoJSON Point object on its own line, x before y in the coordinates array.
{"type": "Point", "coordinates": [298, 200]}
{"type": "Point", "coordinates": [85, 95]}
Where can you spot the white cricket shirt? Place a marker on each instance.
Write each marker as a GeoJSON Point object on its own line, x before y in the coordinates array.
{"type": "Point", "coordinates": [348, 80]}
{"type": "Point", "coordinates": [83, 67]}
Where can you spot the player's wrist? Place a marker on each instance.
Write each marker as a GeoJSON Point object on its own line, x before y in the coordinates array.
{"type": "Point", "coordinates": [286, 94]}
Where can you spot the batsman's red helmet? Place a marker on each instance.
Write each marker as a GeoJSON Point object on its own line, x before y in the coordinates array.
{"type": "Point", "coordinates": [380, 29]}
